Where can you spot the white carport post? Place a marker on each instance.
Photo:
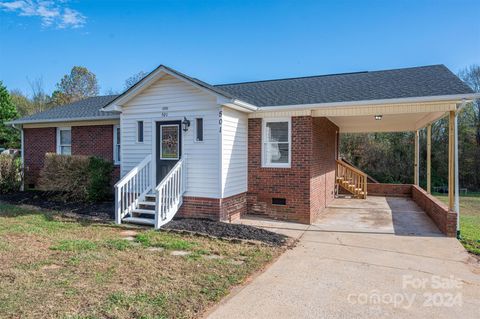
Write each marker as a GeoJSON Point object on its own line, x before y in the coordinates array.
{"type": "Point", "coordinates": [453, 182]}
{"type": "Point", "coordinates": [416, 175]}
{"type": "Point", "coordinates": [429, 158]}
{"type": "Point", "coordinates": [457, 183]}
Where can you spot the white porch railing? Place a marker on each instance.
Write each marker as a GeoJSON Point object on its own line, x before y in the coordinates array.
{"type": "Point", "coordinates": [132, 188]}
{"type": "Point", "coordinates": [169, 193]}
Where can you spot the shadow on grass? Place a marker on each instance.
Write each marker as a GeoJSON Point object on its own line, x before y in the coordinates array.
{"type": "Point", "coordinates": [8, 210]}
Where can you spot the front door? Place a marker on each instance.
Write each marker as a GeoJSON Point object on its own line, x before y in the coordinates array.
{"type": "Point", "coordinates": [169, 146]}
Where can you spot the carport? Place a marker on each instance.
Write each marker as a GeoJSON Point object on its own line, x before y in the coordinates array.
{"type": "Point", "coordinates": [404, 115]}
{"type": "Point", "coordinates": [377, 215]}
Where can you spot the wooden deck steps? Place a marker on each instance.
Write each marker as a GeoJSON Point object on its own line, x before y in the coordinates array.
{"type": "Point", "coordinates": [351, 179]}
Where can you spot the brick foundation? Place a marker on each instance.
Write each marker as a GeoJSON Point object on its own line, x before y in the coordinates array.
{"type": "Point", "coordinates": [445, 219]}
{"type": "Point", "coordinates": [225, 209]}
{"type": "Point", "coordinates": [308, 185]}
{"type": "Point", "coordinates": [95, 140]}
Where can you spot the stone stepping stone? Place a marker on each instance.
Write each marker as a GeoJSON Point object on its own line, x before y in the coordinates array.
{"type": "Point", "coordinates": [212, 256]}
{"type": "Point", "coordinates": [237, 262]}
{"type": "Point", "coordinates": [129, 238]}
{"type": "Point", "coordinates": [155, 249]}
{"type": "Point", "coordinates": [51, 267]}
{"type": "Point", "coordinates": [180, 253]}
{"type": "Point", "coordinates": [129, 233]}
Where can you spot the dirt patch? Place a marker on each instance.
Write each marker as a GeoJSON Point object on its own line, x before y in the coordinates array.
{"type": "Point", "coordinates": [104, 211]}
{"type": "Point", "coordinates": [224, 230]}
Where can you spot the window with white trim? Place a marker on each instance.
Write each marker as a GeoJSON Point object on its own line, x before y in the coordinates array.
{"type": "Point", "coordinates": [64, 140]}
{"type": "Point", "coordinates": [140, 131]}
{"type": "Point", "coordinates": [199, 129]}
{"type": "Point", "coordinates": [276, 142]}
{"type": "Point", "coordinates": [116, 144]}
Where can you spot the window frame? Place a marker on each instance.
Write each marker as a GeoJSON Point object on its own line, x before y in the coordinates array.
{"type": "Point", "coordinates": [117, 157]}
{"type": "Point", "coordinates": [138, 132]}
{"type": "Point", "coordinates": [196, 140]}
{"type": "Point", "coordinates": [264, 141]}
{"type": "Point", "coordinates": [59, 140]}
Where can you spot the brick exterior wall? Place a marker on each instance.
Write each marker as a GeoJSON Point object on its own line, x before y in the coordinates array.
{"type": "Point", "coordinates": [395, 190]}
{"type": "Point", "coordinates": [225, 209]}
{"type": "Point", "coordinates": [308, 185]}
{"type": "Point", "coordinates": [95, 140]}
{"type": "Point", "coordinates": [323, 166]}
{"type": "Point", "coordinates": [445, 219]}
{"type": "Point", "coordinates": [37, 142]}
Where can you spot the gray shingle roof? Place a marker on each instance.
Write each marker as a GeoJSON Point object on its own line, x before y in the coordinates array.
{"type": "Point", "coordinates": [434, 80]}
{"type": "Point", "coordinates": [88, 108]}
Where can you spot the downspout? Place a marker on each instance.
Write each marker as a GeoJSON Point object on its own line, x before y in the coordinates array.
{"type": "Point", "coordinates": [456, 171]}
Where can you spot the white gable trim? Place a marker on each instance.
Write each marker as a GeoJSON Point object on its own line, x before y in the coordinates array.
{"type": "Point", "coordinates": [118, 103]}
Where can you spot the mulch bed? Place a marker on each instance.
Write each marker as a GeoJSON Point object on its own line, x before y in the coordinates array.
{"type": "Point", "coordinates": [225, 230]}
{"type": "Point", "coordinates": [105, 212]}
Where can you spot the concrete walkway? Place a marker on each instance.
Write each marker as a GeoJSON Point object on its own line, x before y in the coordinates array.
{"type": "Point", "coordinates": [379, 258]}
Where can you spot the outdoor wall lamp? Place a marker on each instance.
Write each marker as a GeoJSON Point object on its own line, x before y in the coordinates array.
{"type": "Point", "coordinates": [378, 117]}
{"type": "Point", "coordinates": [185, 124]}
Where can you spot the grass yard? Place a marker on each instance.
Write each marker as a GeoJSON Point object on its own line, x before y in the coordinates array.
{"type": "Point", "coordinates": [469, 220]}
{"type": "Point", "coordinates": [52, 267]}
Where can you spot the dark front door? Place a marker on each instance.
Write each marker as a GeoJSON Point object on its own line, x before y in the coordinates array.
{"type": "Point", "coordinates": [169, 146]}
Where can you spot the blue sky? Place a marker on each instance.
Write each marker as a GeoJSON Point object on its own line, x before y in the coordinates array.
{"type": "Point", "coordinates": [231, 41]}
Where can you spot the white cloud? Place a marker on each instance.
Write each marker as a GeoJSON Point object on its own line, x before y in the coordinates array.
{"type": "Point", "coordinates": [51, 13]}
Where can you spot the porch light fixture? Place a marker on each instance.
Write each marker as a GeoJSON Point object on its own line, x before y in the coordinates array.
{"type": "Point", "coordinates": [378, 117]}
{"type": "Point", "coordinates": [185, 124]}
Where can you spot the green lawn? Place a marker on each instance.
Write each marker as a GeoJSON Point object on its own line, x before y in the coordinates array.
{"type": "Point", "coordinates": [469, 220]}
{"type": "Point", "coordinates": [53, 267]}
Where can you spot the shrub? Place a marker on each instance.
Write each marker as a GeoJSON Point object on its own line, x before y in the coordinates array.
{"type": "Point", "coordinates": [76, 178]}
{"type": "Point", "coordinates": [100, 177]}
{"type": "Point", "coordinates": [10, 173]}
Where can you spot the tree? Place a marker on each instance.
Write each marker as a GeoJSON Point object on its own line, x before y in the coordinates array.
{"type": "Point", "coordinates": [78, 85]}
{"type": "Point", "coordinates": [471, 76]}
{"type": "Point", "coordinates": [131, 81]}
{"type": "Point", "coordinates": [40, 100]}
{"type": "Point", "coordinates": [8, 135]}
{"type": "Point", "coordinates": [22, 103]}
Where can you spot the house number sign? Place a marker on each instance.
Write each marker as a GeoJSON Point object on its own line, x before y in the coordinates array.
{"type": "Point", "coordinates": [220, 121]}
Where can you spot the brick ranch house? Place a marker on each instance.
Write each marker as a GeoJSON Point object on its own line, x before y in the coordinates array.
{"type": "Point", "coordinates": [187, 148]}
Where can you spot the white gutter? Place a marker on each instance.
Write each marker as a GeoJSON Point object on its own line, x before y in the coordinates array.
{"type": "Point", "coordinates": [437, 98]}
{"type": "Point", "coordinates": [78, 119]}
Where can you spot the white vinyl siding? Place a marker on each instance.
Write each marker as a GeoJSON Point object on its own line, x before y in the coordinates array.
{"type": "Point", "coordinates": [172, 99]}
{"type": "Point", "coordinates": [234, 152]}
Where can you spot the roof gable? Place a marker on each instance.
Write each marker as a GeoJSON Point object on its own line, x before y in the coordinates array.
{"type": "Point", "coordinates": [154, 76]}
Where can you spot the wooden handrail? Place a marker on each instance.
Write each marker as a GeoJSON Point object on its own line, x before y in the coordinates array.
{"type": "Point", "coordinates": [356, 170]}
{"type": "Point", "coordinates": [351, 179]}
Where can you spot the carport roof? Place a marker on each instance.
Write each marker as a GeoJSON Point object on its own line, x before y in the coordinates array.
{"type": "Point", "coordinates": [434, 80]}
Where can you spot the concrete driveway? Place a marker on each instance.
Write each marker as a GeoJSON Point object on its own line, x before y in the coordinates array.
{"type": "Point", "coordinates": [378, 258]}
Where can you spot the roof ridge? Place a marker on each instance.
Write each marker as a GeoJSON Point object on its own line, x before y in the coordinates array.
{"type": "Point", "coordinates": [330, 74]}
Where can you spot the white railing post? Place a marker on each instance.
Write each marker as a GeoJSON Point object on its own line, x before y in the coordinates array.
{"type": "Point", "coordinates": [118, 205]}
{"type": "Point", "coordinates": [169, 194]}
{"type": "Point", "coordinates": [131, 188]}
